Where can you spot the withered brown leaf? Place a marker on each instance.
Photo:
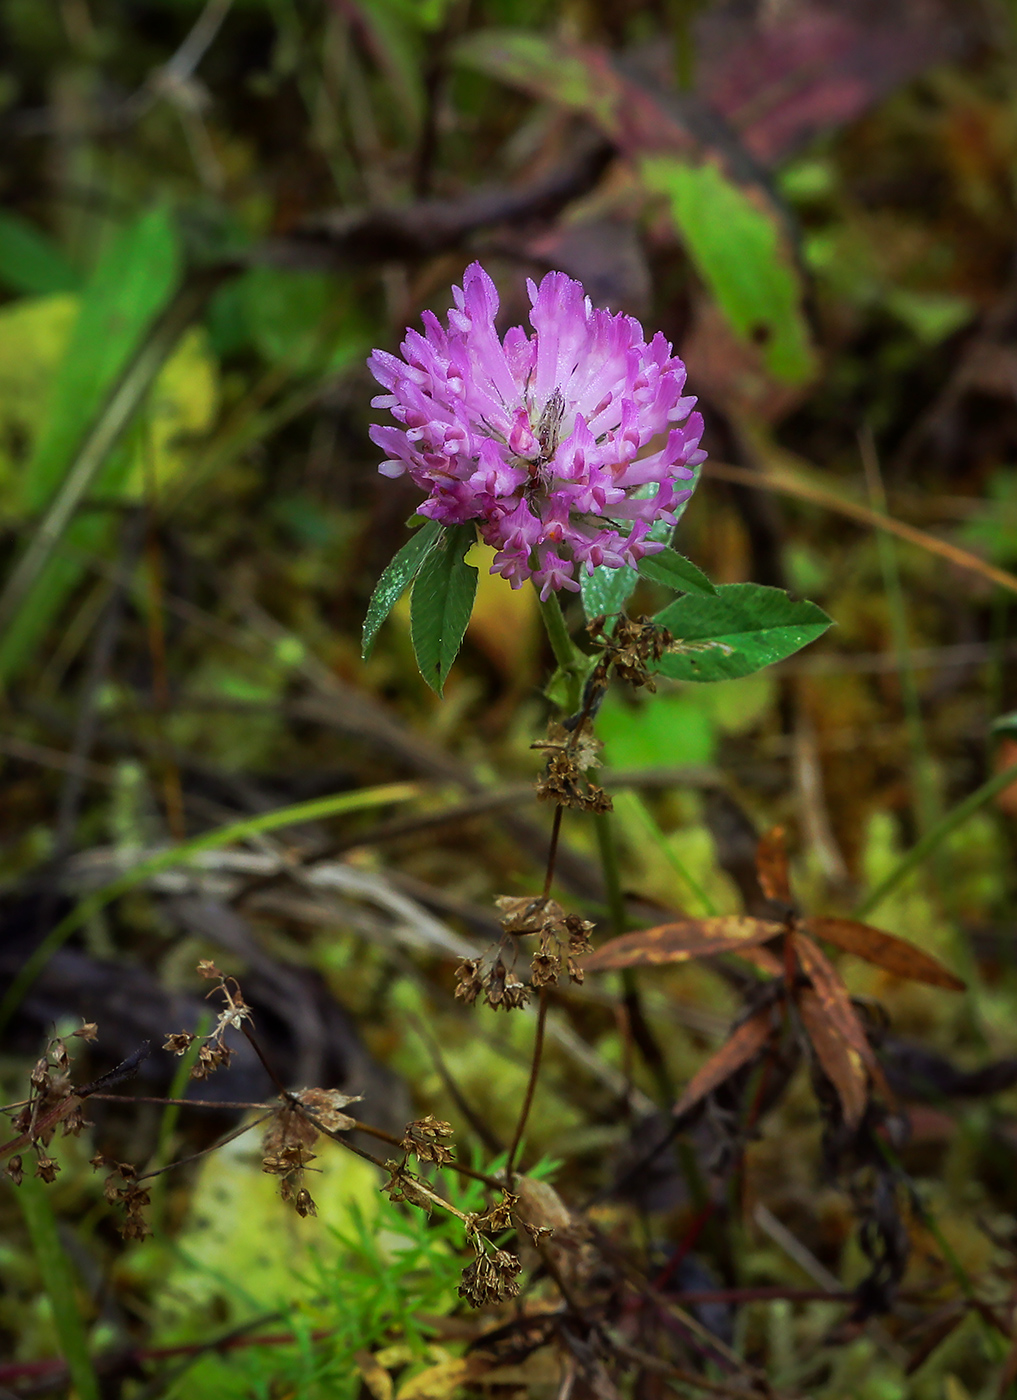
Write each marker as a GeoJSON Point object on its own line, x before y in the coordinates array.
{"type": "Point", "coordinates": [740, 1047]}
{"type": "Point", "coordinates": [892, 954]}
{"type": "Point", "coordinates": [836, 1005]}
{"type": "Point", "coordinates": [679, 942]}
{"type": "Point", "coordinates": [841, 1062]}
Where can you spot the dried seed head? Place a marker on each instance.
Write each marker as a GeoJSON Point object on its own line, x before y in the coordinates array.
{"type": "Point", "coordinates": [570, 754]}
{"type": "Point", "coordinates": [469, 981]}
{"type": "Point", "coordinates": [544, 968]}
{"type": "Point", "coordinates": [633, 647]}
{"type": "Point", "coordinates": [121, 1189]}
{"type": "Point", "coordinates": [134, 1200]}
{"type": "Point", "coordinates": [75, 1122]}
{"type": "Point", "coordinates": [490, 1278]}
{"type": "Point", "coordinates": [402, 1185]}
{"type": "Point", "coordinates": [15, 1171]}
{"type": "Point", "coordinates": [498, 1217]}
{"type": "Point", "coordinates": [46, 1168]}
{"type": "Point", "coordinates": [505, 989]}
{"type": "Point", "coordinates": [179, 1042]}
{"type": "Point", "coordinates": [423, 1139]}
{"type": "Point", "coordinates": [89, 1031]}
{"type": "Point", "coordinates": [304, 1203]}
{"type": "Point", "coordinates": [561, 936]}
{"type": "Point", "coordinates": [563, 783]}
{"type": "Point", "coordinates": [210, 1058]}
{"type": "Point", "coordinates": [578, 931]}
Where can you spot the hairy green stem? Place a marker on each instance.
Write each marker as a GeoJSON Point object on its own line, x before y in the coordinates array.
{"type": "Point", "coordinates": [608, 851]}
{"type": "Point", "coordinates": [568, 656]}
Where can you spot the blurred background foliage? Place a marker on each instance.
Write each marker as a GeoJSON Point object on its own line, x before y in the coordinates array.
{"type": "Point", "coordinates": [210, 213]}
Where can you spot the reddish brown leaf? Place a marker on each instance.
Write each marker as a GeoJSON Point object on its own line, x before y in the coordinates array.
{"type": "Point", "coordinates": [763, 959]}
{"type": "Point", "coordinates": [771, 866]}
{"type": "Point", "coordinates": [841, 1062]}
{"type": "Point", "coordinates": [680, 942]}
{"type": "Point", "coordinates": [780, 77]}
{"type": "Point", "coordinates": [896, 955]}
{"type": "Point", "coordinates": [737, 1050]}
{"type": "Point", "coordinates": [836, 1006]}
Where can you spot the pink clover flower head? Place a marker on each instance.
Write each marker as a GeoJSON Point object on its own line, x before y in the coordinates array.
{"type": "Point", "coordinates": [565, 444]}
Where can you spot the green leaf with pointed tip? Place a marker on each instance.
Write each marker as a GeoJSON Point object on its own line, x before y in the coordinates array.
{"type": "Point", "coordinates": [736, 240]}
{"type": "Point", "coordinates": [59, 1282]}
{"type": "Point", "coordinates": [740, 629]}
{"type": "Point", "coordinates": [131, 284]}
{"type": "Point", "coordinates": [441, 603]}
{"type": "Point", "coordinates": [397, 577]}
{"type": "Point", "coordinates": [673, 570]}
{"type": "Point", "coordinates": [606, 591]}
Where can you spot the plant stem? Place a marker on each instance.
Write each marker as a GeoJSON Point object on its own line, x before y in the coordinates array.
{"type": "Point", "coordinates": [531, 1088]}
{"type": "Point", "coordinates": [566, 653]}
{"type": "Point", "coordinates": [935, 836]}
{"type": "Point", "coordinates": [923, 782]}
{"type": "Point", "coordinates": [552, 850]}
{"type": "Point", "coordinates": [608, 851]}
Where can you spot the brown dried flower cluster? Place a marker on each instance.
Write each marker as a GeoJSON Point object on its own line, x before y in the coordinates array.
{"type": "Point", "coordinates": [288, 1140]}
{"type": "Point", "coordinates": [404, 1185]}
{"type": "Point", "coordinates": [630, 648]}
{"type": "Point", "coordinates": [498, 984]}
{"type": "Point", "coordinates": [214, 1052]}
{"type": "Point", "coordinates": [286, 1149]}
{"type": "Point", "coordinates": [570, 754]}
{"type": "Point", "coordinates": [121, 1188]}
{"type": "Point", "coordinates": [498, 1217]}
{"type": "Point", "coordinates": [423, 1138]}
{"type": "Point", "coordinates": [490, 1278]}
{"type": "Point", "coordinates": [564, 938]}
{"type": "Point", "coordinates": [51, 1101]}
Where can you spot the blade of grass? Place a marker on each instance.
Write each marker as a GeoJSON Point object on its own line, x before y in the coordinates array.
{"type": "Point", "coordinates": [337, 804]}
{"type": "Point", "coordinates": [58, 1281]}
{"type": "Point", "coordinates": [935, 836]}
{"type": "Point", "coordinates": [106, 431]}
{"type": "Point", "coordinates": [171, 1114]}
{"type": "Point", "coordinates": [923, 783]}
{"type": "Point", "coordinates": [794, 485]}
{"type": "Point", "coordinates": [631, 805]}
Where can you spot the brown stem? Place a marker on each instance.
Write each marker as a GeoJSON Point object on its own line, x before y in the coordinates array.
{"type": "Point", "coordinates": [552, 851]}
{"type": "Point", "coordinates": [264, 1062]}
{"type": "Point", "coordinates": [181, 1103]}
{"type": "Point", "coordinates": [383, 1136]}
{"type": "Point", "coordinates": [531, 1088]}
{"type": "Point", "coordinates": [182, 1161]}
